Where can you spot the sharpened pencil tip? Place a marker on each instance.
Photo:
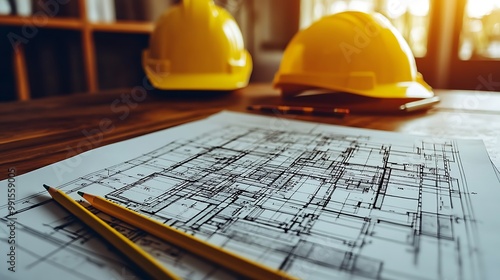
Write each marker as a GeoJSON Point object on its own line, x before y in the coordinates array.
{"type": "Point", "coordinates": [46, 187]}
{"type": "Point", "coordinates": [81, 193]}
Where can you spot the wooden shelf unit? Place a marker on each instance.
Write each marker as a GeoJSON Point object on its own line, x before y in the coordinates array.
{"type": "Point", "coordinates": [80, 24]}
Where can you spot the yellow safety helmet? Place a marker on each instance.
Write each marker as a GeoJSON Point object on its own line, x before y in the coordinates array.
{"type": "Point", "coordinates": [352, 52]}
{"type": "Point", "coordinates": [197, 45]}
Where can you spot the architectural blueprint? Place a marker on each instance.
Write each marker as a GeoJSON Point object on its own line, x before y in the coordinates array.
{"type": "Point", "coordinates": [317, 201]}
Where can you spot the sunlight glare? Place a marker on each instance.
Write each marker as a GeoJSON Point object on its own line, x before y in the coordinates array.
{"type": "Point", "coordinates": [419, 8]}
{"type": "Point", "coordinates": [481, 8]}
{"type": "Point", "coordinates": [396, 8]}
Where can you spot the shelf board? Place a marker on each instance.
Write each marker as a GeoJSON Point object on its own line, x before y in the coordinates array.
{"type": "Point", "coordinates": [46, 22]}
{"type": "Point", "coordinates": [124, 27]}
{"type": "Point", "coordinates": [78, 24]}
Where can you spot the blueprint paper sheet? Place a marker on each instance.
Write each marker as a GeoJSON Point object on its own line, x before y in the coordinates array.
{"type": "Point", "coordinates": [318, 201]}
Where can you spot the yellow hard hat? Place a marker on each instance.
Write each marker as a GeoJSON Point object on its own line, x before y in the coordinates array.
{"type": "Point", "coordinates": [197, 45]}
{"type": "Point", "coordinates": [352, 52]}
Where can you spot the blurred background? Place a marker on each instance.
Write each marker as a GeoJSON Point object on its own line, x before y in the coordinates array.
{"type": "Point", "coordinates": [58, 47]}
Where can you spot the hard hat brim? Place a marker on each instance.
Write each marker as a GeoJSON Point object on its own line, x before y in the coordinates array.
{"type": "Point", "coordinates": [292, 85]}
{"type": "Point", "coordinates": [234, 79]}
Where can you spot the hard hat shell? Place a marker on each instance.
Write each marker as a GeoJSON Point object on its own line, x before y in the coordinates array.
{"type": "Point", "coordinates": [352, 52]}
{"type": "Point", "coordinates": [197, 45]}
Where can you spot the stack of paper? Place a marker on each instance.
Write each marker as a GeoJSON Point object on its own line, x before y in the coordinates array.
{"type": "Point", "coordinates": [317, 201]}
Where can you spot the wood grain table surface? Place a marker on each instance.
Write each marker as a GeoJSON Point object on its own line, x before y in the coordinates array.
{"type": "Point", "coordinates": [40, 132]}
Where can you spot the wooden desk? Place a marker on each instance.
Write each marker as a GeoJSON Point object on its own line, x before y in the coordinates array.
{"type": "Point", "coordinates": [39, 132]}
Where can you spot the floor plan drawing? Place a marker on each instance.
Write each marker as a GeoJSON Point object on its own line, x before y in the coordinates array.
{"type": "Point", "coordinates": [317, 203]}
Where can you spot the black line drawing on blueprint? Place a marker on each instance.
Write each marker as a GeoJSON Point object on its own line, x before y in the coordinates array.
{"type": "Point", "coordinates": [317, 205]}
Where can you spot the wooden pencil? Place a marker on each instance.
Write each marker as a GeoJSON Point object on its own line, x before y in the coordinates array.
{"type": "Point", "coordinates": [215, 254]}
{"type": "Point", "coordinates": [140, 257]}
{"type": "Point", "coordinates": [420, 104]}
{"type": "Point", "coordinates": [327, 111]}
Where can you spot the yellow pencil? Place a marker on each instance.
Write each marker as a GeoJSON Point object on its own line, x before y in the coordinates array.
{"type": "Point", "coordinates": [140, 257]}
{"type": "Point", "coordinates": [195, 245]}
